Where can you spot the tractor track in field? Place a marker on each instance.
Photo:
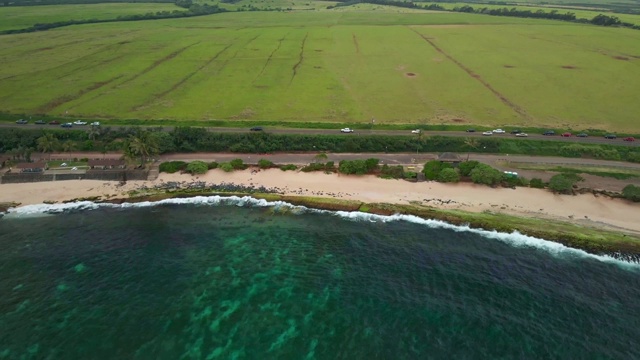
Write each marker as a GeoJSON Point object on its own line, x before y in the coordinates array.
{"type": "Point", "coordinates": [520, 111]}
{"type": "Point", "coordinates": [224, 64]}
{"type": "Point", "coordinates": [159, 62]}
{"type": "Point", "coordinates": [184, 79]}
{"type": "Point", "coordinates": [355, 43]}
{"type": "Point", "coordinates": [68, 98]}
{"type": "Point", "coordinates": [269, 58]}
{"type": "Point", "coordinates": [300, 59]}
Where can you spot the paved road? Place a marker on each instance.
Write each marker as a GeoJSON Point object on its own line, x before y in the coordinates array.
{"type": "Point", "coordinates": [589, 140]}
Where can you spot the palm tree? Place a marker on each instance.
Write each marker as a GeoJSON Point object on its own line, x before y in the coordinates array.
{"type": "Point", "coordinates": [472, 143]}
{"type": "Point", "coordinates": [47, 143]}
{"type": "Point", "coordinates": [142, 145]}
{"type": "Point", "coordinates": [68, 146]}
{"type": "Point", "coordinates": [93, 132]}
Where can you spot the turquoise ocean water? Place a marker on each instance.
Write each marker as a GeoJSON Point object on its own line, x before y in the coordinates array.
{"type": "Point", "coordinates": [241, 279]}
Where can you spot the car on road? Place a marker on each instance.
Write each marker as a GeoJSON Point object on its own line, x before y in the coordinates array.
{"type": "Point", "coordinates": [498, 131]}
{"type": "Point", "coordinates": [346, 130]}
{"type": "Point", "coordinates": [471, 130]}
{"type": "Point", "coordinates": [95, 123]}
{"type": "Point", "coordinates": [22, 121]}
{"type": "Point", "coordinates": [487, 133]}
{"type": "Point", "coordinates": [630, 138]}
{"type": "Point", "coordinates": [256, 128]}
{"type": "Point", "coordinates": [517, 131]}
{"type": "Point", "coordinates": [567, 134]}
{"type": "Point", "coordinates": [610, 136]}
{"type": "Point", "coordinates": [67, 125]}
{"type": "Point", "coordinates": [40, 122]}
{"type": "Point", "coordinates": [416, 131]}
{"type": "Point", "coordinates": [583, 135]}
{"type": "Point", "coordinates": [521, 134]}
{"type": "Point", "coordinates": [78, 122]}
{"type": "Point", "coordinates": [549, 133]}
{"type": "Point", "coordinates": [54, 122]}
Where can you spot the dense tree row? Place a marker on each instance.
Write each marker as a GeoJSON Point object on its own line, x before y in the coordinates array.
{"type": "Point", "coordinates": [187, 139]}
{"type": "Point", "coordinates": [65, 2]}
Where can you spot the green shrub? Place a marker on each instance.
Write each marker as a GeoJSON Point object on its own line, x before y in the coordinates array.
{"type": "Point", "coordinates": [562, 183]}
{"type": "Point", "coordinates": [410, 175]}
{"type": "Point", "coordinates": [465, 167]}
{"type": "Point", "coordinates": [197, 167]}
{"type": "Point", "coordinates": [330, 166]}
{"type": "Point", "coordinates": [395, 172]}
{"type": "Point", "coordinates": [536, 183]}
{"type": "Point", "coordinates": [313, 167]}
{"type": "Point", "coordinates": [633, 157]}
{"type": "Point", "coordinates": [265, 164]}
{"type": "Point", "coordinates": [172, 166]}
{"type": "Point", "coordinates": [212, 165]}
{"type": "Point", "coordinates": [238, 164]}
{"type": "Point", "coordinates": [485, 174]}
{"type": "Point", "coordinates": [448, 175]}
{"type": "Point", "coordinates": [432, 169]}
{"type": "Point", "coordinates": [631, 192]}
{"type": "Point", "coordinates": [226, 167]}
{"type": "Point", "coordinates": [288, 167]}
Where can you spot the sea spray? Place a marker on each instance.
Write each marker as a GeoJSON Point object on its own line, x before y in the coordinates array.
{"type": "Point", "coordinates": [515, 238]}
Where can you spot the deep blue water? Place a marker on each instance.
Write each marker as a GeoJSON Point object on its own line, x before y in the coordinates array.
{"type": "Point", "coordinates": [220, 282]}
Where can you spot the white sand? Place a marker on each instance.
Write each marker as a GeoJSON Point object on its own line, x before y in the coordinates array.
{"type": "Point", "coordinates": [600, 211]}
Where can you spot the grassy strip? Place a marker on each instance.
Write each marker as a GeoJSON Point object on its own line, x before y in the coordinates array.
{"type": "Point", "coordinates": [620, 174]}
{"type": "Point", "coordinates": [590, 239]}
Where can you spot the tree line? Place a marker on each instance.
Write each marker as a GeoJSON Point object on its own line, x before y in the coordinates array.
{"type": "Point", "coordinates": [18, 142]}
{"type": "Point", "coordinates": [191, 10]}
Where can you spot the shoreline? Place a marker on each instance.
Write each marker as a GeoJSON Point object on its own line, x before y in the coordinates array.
{"type": "Point", "coordinates": [589, 222]}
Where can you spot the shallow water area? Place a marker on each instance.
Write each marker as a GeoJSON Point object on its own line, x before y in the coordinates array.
{"type": "Point", "coordinates": [224, 278]}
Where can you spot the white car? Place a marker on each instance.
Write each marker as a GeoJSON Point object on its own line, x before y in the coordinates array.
{"type": "Point", "coordinates": [498, 131]}
{"type": "Point", "coordinates": [487, 133]}
{"type": "Point", "coordinates": [522, 134]}
{"type": "Point", "coordinates": [346, 130]}
{"type": "Point", "coordinates": [78, 122]}
{"type": "Point", "coordinates": [416, 131]}
{"type": "Point", "coordinates": [95, 123]}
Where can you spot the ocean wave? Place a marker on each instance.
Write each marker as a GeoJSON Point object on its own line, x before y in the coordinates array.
{"type": "Point", "coordinates": [515, 238]}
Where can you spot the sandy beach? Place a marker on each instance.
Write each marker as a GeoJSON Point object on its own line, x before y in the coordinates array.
{"type": "Point", "coordinates": [585, 209]}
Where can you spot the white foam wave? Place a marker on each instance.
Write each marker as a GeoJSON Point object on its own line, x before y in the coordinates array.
{"type": "Point", "coordinates": [515, 238]}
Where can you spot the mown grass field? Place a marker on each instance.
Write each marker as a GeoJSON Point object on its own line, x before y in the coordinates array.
{"type": "Point", "coordinates": [330, 66]}
{"type": "Point", "coordinates": [20, 17]}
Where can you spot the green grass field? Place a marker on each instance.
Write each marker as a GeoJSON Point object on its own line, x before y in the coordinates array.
{"type": "Point", "coordinates": [330, 66]}
{"type": "Point", "coordinates": [20, 17]}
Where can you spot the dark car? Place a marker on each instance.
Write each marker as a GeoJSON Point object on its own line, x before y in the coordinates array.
{"type": "Point", "coordinates": [256, 128]}
{"type": "Point", "coordinates": [67, 125]}
{"type": "Point", "coordinates": [630, 138]}
{"type": "Point", "coordinates": [582, 135]}
{"type": "Point", "coordinates": [516, 131]}
{"type": "Point", "coordinates": [40, 122]}
{"type": "Point", "coordinates": [471, 130]}
{"type": "Point", "coordinates": [54, 122]}
{"type": "Point", "coordinates": [610, 136]}
{"type": "Point", "coordinates": [549, 133]}
{"type": "Point", "coordinates": [22, 121]}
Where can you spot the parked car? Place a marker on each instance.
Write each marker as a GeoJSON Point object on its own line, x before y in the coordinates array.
{"type": "Point", "coordinates": [567, 134]}
{"type": "Point", "coordinates": [95, 123]}
{"type": "Point", "coordinates": [78, 122]}
{"type": "Point", "coordinates": [498, 131]}
{"type": "Point", "coordinates": [583, 135]}
{"type": "Point", "coordinates": [471, 130]}
{"type": "Point", "coordinates": [517, 131]}
{"type": "Point", "coordinates": [54, 122]}
{"type": "Point", "coordinates": [67, 125]}
{"type": "Point", "coordinates": [630, 138]}
{"type": "Point", "coordinates": [40, 122]}
{"type": "Point", "coordinates": [610, 136]}
{"type": "Point", "coordinates": [346, 130]}
{"type": "Point", "coordinates": [416, 131]}
{"type": "Point", "coordinates": [487, 133]}
{"type": "Point", "coordinates": [22, 121]}
{"type": "Point", "coordinates": [549, 133]}
{"type": "Point", "coordinates": [521, 134]}
{"type": "Point", "coordinates": [256, 128]}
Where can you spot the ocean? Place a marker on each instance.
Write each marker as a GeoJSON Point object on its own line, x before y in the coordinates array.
{"type": "Point", "coordinates": [237, 278]}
